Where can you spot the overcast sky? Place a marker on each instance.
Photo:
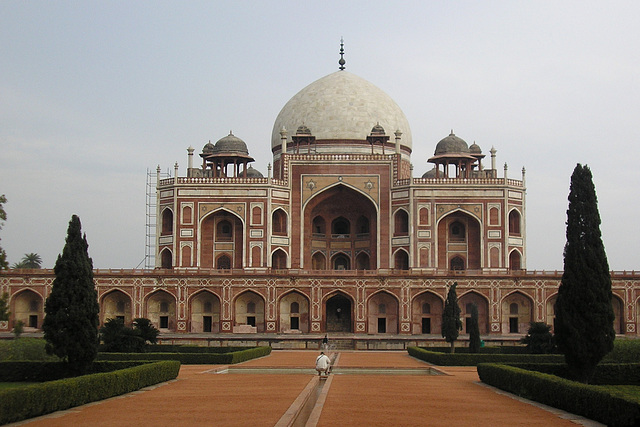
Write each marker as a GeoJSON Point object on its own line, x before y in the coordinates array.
{"type": "Point", "coordinates": [95, 93]}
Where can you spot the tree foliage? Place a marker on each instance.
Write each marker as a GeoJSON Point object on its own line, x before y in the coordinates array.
{"type": "Point", "coordinates": [117, 337]}
{"type": "Point", "coordinates": [474, 330]}
{"type": "Point", "coordinates": [584, 313]}
{"type": "Point", "coordinates": [31, 260]}
{"type": "Point", "coordinates": [4, 306]}
{"type": "Point", "coordinates": [539, 339]}
{"type": "Point", "coordinates": [71, 311]}
{"type": "Point", "coordinates": [451, 323]}
{"type": "Point", "coordinates": [3, 217]}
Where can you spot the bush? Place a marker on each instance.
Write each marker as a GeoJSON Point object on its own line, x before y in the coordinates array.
{"type": "Point", "coordinates": [605, 373]}
{"type": "Point", "coordinates": [33, 400]}
{"type": "Point", "coordinates": [198, 358]}
{"type": "Point", "coordinates": [472, 359]}
{"type": "Point", "coordinates": [624, 351]}
{"type": "Point", "coordinates": [50, 371]}
{"type": "Point", "coordinates": [594, 402]}
{"type": "Point", "coordinates": [539, 339]}
{"type": "Point", "coordinates": [24, 349]}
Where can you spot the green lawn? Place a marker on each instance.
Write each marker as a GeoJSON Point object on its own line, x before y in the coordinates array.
{"type": "Point", "coordinates": [5, 386]}
{"type": "Point", "coordinates": [630, 391]}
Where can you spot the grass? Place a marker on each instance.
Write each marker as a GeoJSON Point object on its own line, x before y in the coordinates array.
{"type": "Point", "coordinates": [24, 349]}
{"type": "Point", "coordinates": [5, 386]}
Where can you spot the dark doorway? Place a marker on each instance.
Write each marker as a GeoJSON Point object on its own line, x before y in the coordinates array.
{"type": "Point", "coordinates": [338, 314]}
{"type": "Point", "coordinates": [251, 320]}
{"type": "Point", "coordinates": [426, 325]}
{"type": "Point", "coordinates": [467, 324]}
{"type": "Point", "coordinates": [295, 323]}
{"type": "Point", "coordinates": [206, 323]}
{"type": "Point", "coordinates": [513, 325]}
{"type": "Point", "coordinates": [33, 321]}
{"type": "Point", "coordinates": [121, 318]}
{"type": "Point", "coordinates": [164, 322]}
{"type": "Point", "coordinates": [382, 325]}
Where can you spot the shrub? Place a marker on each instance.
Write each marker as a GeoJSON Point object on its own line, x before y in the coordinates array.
{"type": "Point", "coordinates": [24, 349]}
{"type": "Point", "coordinates": [624, 351]}
{"type": "Point", "coordinates": [33, 400]}
{"type": "Point", "coordinates": [591, 401]}
{"type": "Point", "coordinates": [472, 359]}
{"type": "Point", "coordinates": [539, 339]}
{"type": "Point", "coordinates": [193, 358]}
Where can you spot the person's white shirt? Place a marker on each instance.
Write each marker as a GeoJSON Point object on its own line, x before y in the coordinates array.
{"type": "Point", "coordinates": [322, 362]}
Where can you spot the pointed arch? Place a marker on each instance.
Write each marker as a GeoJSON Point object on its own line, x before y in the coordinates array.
{"type": "Point", "coordinates": [515, 260]}
{"type": "Point", "coordinates": [341, 261]}
{"type": "Point", "coordinates": [401, 222]}
{"type": "Point", "coordinates": [618, 311]}
{"type": "Point", "coordinates": [517, 313]}
{"type": "Point", "coordinates": [279, 259]}
{"type": "Point", "coordinates": [363, 261]}
{"type": "Point", "coordinates": [221, 231]}
{"type": "Point", "coordinates": [382, 313]}
{"type": "Point", "coordinates": [473, 297]}
{"type": "Point", "coordinates": [459, 235]}
{"type": "Point", "coordinates": [160, 308]}
{"type": "Point", "coordinates": [279, 222]}
{"type": "Point", "coordinates": [250, 310]}
{"type": "Point", "coordinates": [401, 259]}
{"type": "Point", "coordinates": [514, 222]}
{"type": "Point", "coordinates": [166, 228]}
{"type": "Point", "coordinates": [318, 261]}
{"type": "Point", "coordinates": [116, 304]}
{"type": "Point", "coordinates": [338, 310]}
{"type": "Point", "coordinates": [294, 312]}
{"type": "Point", "coordinates": [166, 258]}
{"type": "Point", "coordinates": [204, 307]}
{"type": "Point", "coordinates": [426, 313]}
{"type": "Point", "coordinates": [27, 306]}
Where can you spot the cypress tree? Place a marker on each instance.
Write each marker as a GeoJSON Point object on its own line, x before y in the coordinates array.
{"type": "Point", "coordinates": [71, 311]}
{"type": "Point", "coordinates": [451, 323]}
{"type": "Point", "coordinates": [584, 313]}
{"type": "Point", "coordinates": [474, 330]}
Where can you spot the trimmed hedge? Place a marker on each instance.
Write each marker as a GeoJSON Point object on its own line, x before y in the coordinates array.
{"type": "Point", "coordinates": [624, 351]}
{"type": "Point", "coordinates": [594, 402]}
{"type": "Point", "coordinates": [605, 373]}
{"type": "Point", "coordinates": [165, 348]}
{"type": "Point", "coordinates": [50, 371]}
{"type": "Point", "coordinates": [472, 359]}
{"type": "Point", "coordinates": [506, 349]}
{"type": "Point", "coordinates": [38, 399]}
{"type": "Point", "coordinates": [193, 358]}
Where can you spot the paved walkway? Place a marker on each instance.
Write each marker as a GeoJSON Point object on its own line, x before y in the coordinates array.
{"type": "Point", "coordinates": [202, 397]}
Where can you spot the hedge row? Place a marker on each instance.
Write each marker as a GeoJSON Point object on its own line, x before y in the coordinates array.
{"type": "Point", "coordinates": [507, 349]}
{"type": "Point", "coordinates": [605, 374]}
{"type": "Point", "coordinates": [472, 359]}
{"type": "Point", "coordinates": [33, 371]}
{"type": "Point", "coordinates": [594, 402]}
{"type": "Point", "coordinates": [38, 399]}
{"type": "Point", "coordinates": [624, 351]}
{"type": "Point", "coordinates": [193, 358]}
{"type": "Point", "coordinates": [166, 348]}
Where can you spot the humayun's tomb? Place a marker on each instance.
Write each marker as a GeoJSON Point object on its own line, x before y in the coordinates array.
{"type": "Point", "coordinates": [339, 237]}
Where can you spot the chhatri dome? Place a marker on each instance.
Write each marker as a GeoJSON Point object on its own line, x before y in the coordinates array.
{"type": "Point", "coordinates": [341, 106]}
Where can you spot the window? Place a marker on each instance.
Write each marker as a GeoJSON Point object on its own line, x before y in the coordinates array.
{"type": "Point", "coordinates": [223, 262]}
{"type": "Point", "coordinates": [382, 309]}
{"type": "Point", "coordinates": [120, 306]}
{"type": "Point", "coordinates": [514, 223]}
{"type": "Point", "coordinates": [319, 226]}
{"type": "Point", "coordinates": [33, 305]}
{"type": "Point", "coordinates": [164, 307]}
{"type": "Point", "coordinates": [295, 307]}
{"type": "Point", "coordinates": [167, 222]}
{"type": "Point", "coordinates": [401, 220]}
{"type": "Point", "coordinates": [513, 308]}
{"type": "Point", "coordinates": [362, 226]}
{"type": "Point", "coordinates": [340, 262]}
{"type": "Point", "coordinates": [457, 263]}
{"type": "Point", "coordinates": [251, 307]}
{"type": "Point", "coordinates": [279, 223]}
{"type": "Point", "coordinates": [341, 226]}
{"type": "Point", "coordinates": [207, 307]}
{"type": "Point", "coordinates": [224, 231]}
{"type": "Point", "coordinates": [457, 232]}
{"type": "Point", "coordinates": [426, 308]}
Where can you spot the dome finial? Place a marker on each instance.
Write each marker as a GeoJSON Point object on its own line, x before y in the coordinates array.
{"type": "Point", "coordinates": [342, 61]}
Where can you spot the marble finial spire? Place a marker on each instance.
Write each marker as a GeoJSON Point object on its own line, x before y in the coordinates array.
{"type": "Point", "coordinates": [341, 61]}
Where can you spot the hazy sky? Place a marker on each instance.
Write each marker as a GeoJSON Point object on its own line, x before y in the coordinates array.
{"type": "Point", "coordinates": [95, 93]}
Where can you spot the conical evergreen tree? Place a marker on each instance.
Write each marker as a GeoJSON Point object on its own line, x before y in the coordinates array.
{"type": "Point", "coordinates": [584, 313]}
{"type": "Point", "coordinates": [71, 310]}
{"type": "Point", "coordinates": [474, 330]}
{"type": "Point", "coordinates": [451, 323]}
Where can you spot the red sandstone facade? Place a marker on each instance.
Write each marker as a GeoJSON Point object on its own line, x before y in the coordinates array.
{"type": "Point", "coordinates": [341, 239]}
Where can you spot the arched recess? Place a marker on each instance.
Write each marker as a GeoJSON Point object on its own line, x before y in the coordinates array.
{"type": "Point", "coordinates": [221, 232]}
{"type": "Point", "coordinates": [517, 313]}
{"type": "Point", "coordinates": [335, 217]}
{"type": "Point", "coordinates": [279, 259]}
{"type": "Point", "coordinates": [426, 313]}
{"type": "Point", "coordinates": [362, 261]}
{"type": "Point", "coordinates": [551, 311]}
{"type": "Point", "coordinates": [256, 256]}
{"type": "Point", "coordinates": [185, 256]}
{"type": "Point", "coordinates": [494, 257]}
{"type": "Point", "coordinates": [514, 223]}
{"type": "Point", "coordinates": [166, 258]}
{"type": "Point", "coordinates": [249, 310]}
{"type": "Point", "coordinates": [401, 223]}
{"type": "Point", "coordinates": [256, 215]}
{"type": "Point", "coordinates": [205, 312]}
{"type": "Point", "coordinates": [459, 235]}
{"type": "Point", "coordinates": [116, 304]}
{"type": "Point", "coordinates": [318, 261]}
{"type": "Point", "coordinates": [28, 307]}
{"type": "Point", "coordinates": [294, 313]}
{"type": "Point", "coordinates": [457, 263]}
{"type": "Point", "coordinates": [401, 260]}
{"type": "Point", "coordinates": [494, 216]}
{"type": "Point", "coordinates": [338, 313]}
{"type": "Point", "coordinates": [382, 313]}
{"type": "Point", "coordinates": [618, 311]}
{"type": "Point", "coordinates": [279, 222]}
{"type": "Point", "coordinates": [160, 308]}
{"type": "Point", "coordinates": [424, 216]}
{"type": "Point", "coordinates": [465, 302]}
{"type": "Point", "coordinates": [167, 222]}
{"type": "Point", "coordinates": [340, 261]}
{"type": "Point", "coordinates": [515, 259]}
{"type": "Point", "coordinates": [223, 261]}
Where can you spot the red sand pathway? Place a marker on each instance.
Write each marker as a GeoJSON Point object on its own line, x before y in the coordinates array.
{"type": "Point", "coordinates": [199, 397]}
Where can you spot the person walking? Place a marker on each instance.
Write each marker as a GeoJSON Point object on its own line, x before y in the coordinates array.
{"type": "Point", "coordinates": [323, 364]}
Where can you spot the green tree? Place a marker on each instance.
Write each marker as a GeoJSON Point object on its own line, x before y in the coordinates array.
{"type": "Point", "coordinates": [539, 339]}
{"type": "Point", "coordinates": [4, 306]}
{"type": "Point", "coordinates": [18, 328]}
{"type": "Point", "coordinates": [146, 330]}
{"type": "Point", "coordinates": [584, 313]}
{"type": "Point", "coordinates": [71, 311]}
{"type": "Point", "coordinates": [31, 260]}
{"type": "Point", "coordinates": [474, 330]}
{"type": "Point", "coordinates": [120, 338]}
{"type": "Point", "coordinates": [451, 323]}
{"type": "Point", "coordinates": [3, 217]}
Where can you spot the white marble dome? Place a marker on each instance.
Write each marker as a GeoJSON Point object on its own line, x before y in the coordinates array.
{"type": "Point", "coordinates": [341, 106]}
